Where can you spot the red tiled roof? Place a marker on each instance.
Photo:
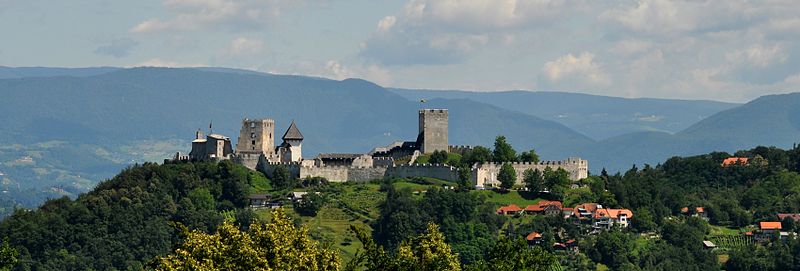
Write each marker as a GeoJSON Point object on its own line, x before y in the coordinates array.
{"type": "Point", "coordinates": [749, 233]}
{"type": "Point", "coordinates": [533, 235]}
{"type": "Point", "coordinates": [697, 210]}
{"type": "Point", "coordinates": [541, 205]}
{"type": "Point", "coordinates": [734, 161]}
{"type": "Point", "coordinates": [508, 208]}
{"type": "Point", "coordinates": [796, 217]}
{"type": "Point", "coordinates": [613, 213]}
{"type": "Point", "coordinates": [770, 225]}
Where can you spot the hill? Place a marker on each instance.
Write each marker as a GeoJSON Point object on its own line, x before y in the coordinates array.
{"type": "Point", "coordinates": [67, 132]}
{"type": "Point", "coordinates": [598, 117]}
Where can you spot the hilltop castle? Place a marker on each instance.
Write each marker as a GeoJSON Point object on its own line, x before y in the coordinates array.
{"type": "Point", "coordinates": [255, 149]}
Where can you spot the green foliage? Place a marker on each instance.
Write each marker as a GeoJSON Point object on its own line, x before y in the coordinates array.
{"type": "Point", "coordinates": [533, 180]}
{"type": "Point", "coordinates": [277, 246]}
{"type": "Point", "coordinates": [478, 154]}
{"type": "Point", "coordinates": [511, 254]}
{"type": "Point", "coordinates": [281, 179]}
{"type": "Point", "coordinates": [124, 222]}
{"type": "Point", "coordinates": [507, 176]}
{"type": "Point", "coordinates": [8, 256]}
{"type": "Point", "coordinates": [438, 157]}
{"type": "Point", "coordinates": [310, 204]}
{"type": "Point", "coordinates": [427, 251]}
{"type": "Point", "coordinates": [529, 156]}
{"type": "Point", "coordinates": [503, 152]}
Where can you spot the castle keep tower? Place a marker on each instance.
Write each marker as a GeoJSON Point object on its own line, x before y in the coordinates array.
{"type": "Point", "coordinates": [291, 148]}
{"type": "Point", "coordinates": [432, 130]}
{"type": "Point", "coordinates": [255, 137]}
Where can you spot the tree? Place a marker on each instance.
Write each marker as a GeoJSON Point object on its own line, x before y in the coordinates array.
{"type": "Point", "coordinates": [438, 157]}
{"type": "Point", "coordinates": [533, 180]}
{"type": "Point", "coordinates": [8, 256]}
{"type": "Point", "coordinates": [464, 178]}
{"type": "Point", "coordinates": [479, 154]}
{"type": "Point", "coordinates": [276, 246]}
{"type": "Point", "coordinates": [556, 181]}
{"type": "Point", "coordinates": [503, 152]}
{"type": "Point", "coordinates": [281, 179]}
{"type": "Point", "coordinates": [507, 176]}
{"type": "Point", "coordinates": [428, 251]}
{"type": "Point", "coordinates": [529, 156]}
{"type": "Point", "coordinates": [511, 254]}
{"type": "Point", "coordinates": [310, 204]}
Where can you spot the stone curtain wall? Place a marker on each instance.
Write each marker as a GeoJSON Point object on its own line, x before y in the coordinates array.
{"type": "Point", "coordinates": [486, 174]}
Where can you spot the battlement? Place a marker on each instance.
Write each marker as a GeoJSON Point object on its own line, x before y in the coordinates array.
{"type": "Point", "coordinates": [430, 110]}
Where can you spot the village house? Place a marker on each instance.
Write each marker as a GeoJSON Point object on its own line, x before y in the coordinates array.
{"type": "Point", "coordinates": [795, 217]}
{"type": "Point", "coordinates": [534, 238]}
{"type": "Point", "coordinates": [509, 210]}
{"type": "Point", "coordinates": [552, 208]}
{"type": "Point", "coordinates": [602, 218]}
{"type": "Point", "coordinates": [735, 161]}
{"type": "Point", "coordinates": [698, 212]}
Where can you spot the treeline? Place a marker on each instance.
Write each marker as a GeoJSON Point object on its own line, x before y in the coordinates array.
{"type": "Point", "coordinates": [125, 221]}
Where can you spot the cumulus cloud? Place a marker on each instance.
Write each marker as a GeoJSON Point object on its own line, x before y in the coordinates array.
{"type": "Point", "coordinates": [116, 48]}
{"type": "Point", "coordinates": [231, 15]}
{"type": "Point", "coordinates": [448, 31]}
{"type": "Point", "coordinates": [582, 70]}
{"type": "Point", "coordinates": [759, 56]}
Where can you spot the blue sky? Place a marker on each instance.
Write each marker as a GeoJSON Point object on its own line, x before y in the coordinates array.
{"type": "Point", "coordinates": [730, 50]}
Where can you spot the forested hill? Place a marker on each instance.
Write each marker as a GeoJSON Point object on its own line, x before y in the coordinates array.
{"type": "Point", "coordinates": [128, 221]}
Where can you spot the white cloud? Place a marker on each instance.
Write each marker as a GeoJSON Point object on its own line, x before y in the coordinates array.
{"type": "Point", "coordinates": [581, 68]}
{"type": "Point", "coordinates": [386, 23]}
{"type": "Point", "coordinates": [245, 47]}
{"type": "Point", "coordinates": [232, 15]}
{"type": "Point", "coordinates": [759, 56]}
{"type": "Point", "coordinates": [439, 32]}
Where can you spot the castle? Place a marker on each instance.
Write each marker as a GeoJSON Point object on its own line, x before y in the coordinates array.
{"type": "Point", "coordinates": [255, 149]}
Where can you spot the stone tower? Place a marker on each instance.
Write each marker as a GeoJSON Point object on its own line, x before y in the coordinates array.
{"type": "Point", "coordinates": [432, 130]}
{"type": "Point", "coordinates": [291, 150]}
{"type": "Point", "coordinates": [256, 137]}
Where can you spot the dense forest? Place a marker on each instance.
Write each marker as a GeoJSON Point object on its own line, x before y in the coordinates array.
{"type": "Point", "coordinates": [171, 216]}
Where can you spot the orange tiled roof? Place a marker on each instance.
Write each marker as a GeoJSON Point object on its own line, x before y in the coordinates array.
{"type": "Point", "coordinates": [542, 204]}
{"type": "Point", "coordinates": [770, 225]}
{"type": "Point", "coordinates": [796, 217]}
{"type": "Point", "coordinates": [533, 235]}
{"type": "Point", "coordinates": [508, 208]}
{"type": "Point", "coordinates": [734, 160]}
{"type": "Point", "coordinates": [697, 210]}
{"type": "Point", "coordinates": [613, 213]}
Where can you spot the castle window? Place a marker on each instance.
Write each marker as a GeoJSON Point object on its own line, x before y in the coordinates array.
{"type": "Point", "coordinates": [252, 135]}
{"type": "Point", "coordinates": [252, 125]}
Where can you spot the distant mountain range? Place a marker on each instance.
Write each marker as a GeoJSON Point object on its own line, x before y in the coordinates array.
{"type": "Point", "coordinates": [598, 117]}
{"type": "Point", "coordinates": [65, 129]}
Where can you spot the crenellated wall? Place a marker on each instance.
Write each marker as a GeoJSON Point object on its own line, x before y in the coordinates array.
{"type": "Point", "coordinates": [486, 174]}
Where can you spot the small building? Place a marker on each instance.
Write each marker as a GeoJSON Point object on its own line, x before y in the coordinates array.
{"type": "Point", "coordinates": [545, 207]}
{"type": "Point", "coordinates": [709, 245]}
{"type": "Point", "coordinates": [511, 209]}
{"type": "Point", "coordinates": [211, 147]}
{"type": "Point", "coordinates": [769, 227]}
{"type": "Point", "coordinates": [698, 212]}
{"type": "Point", "coordinates": [795, 217]}
{"type": "Point", "coordinates": [259, 200]}
{"type": "Point", "coordinates": [735, 161]}
{"type": "Point", "coordinates": [534, 238]}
